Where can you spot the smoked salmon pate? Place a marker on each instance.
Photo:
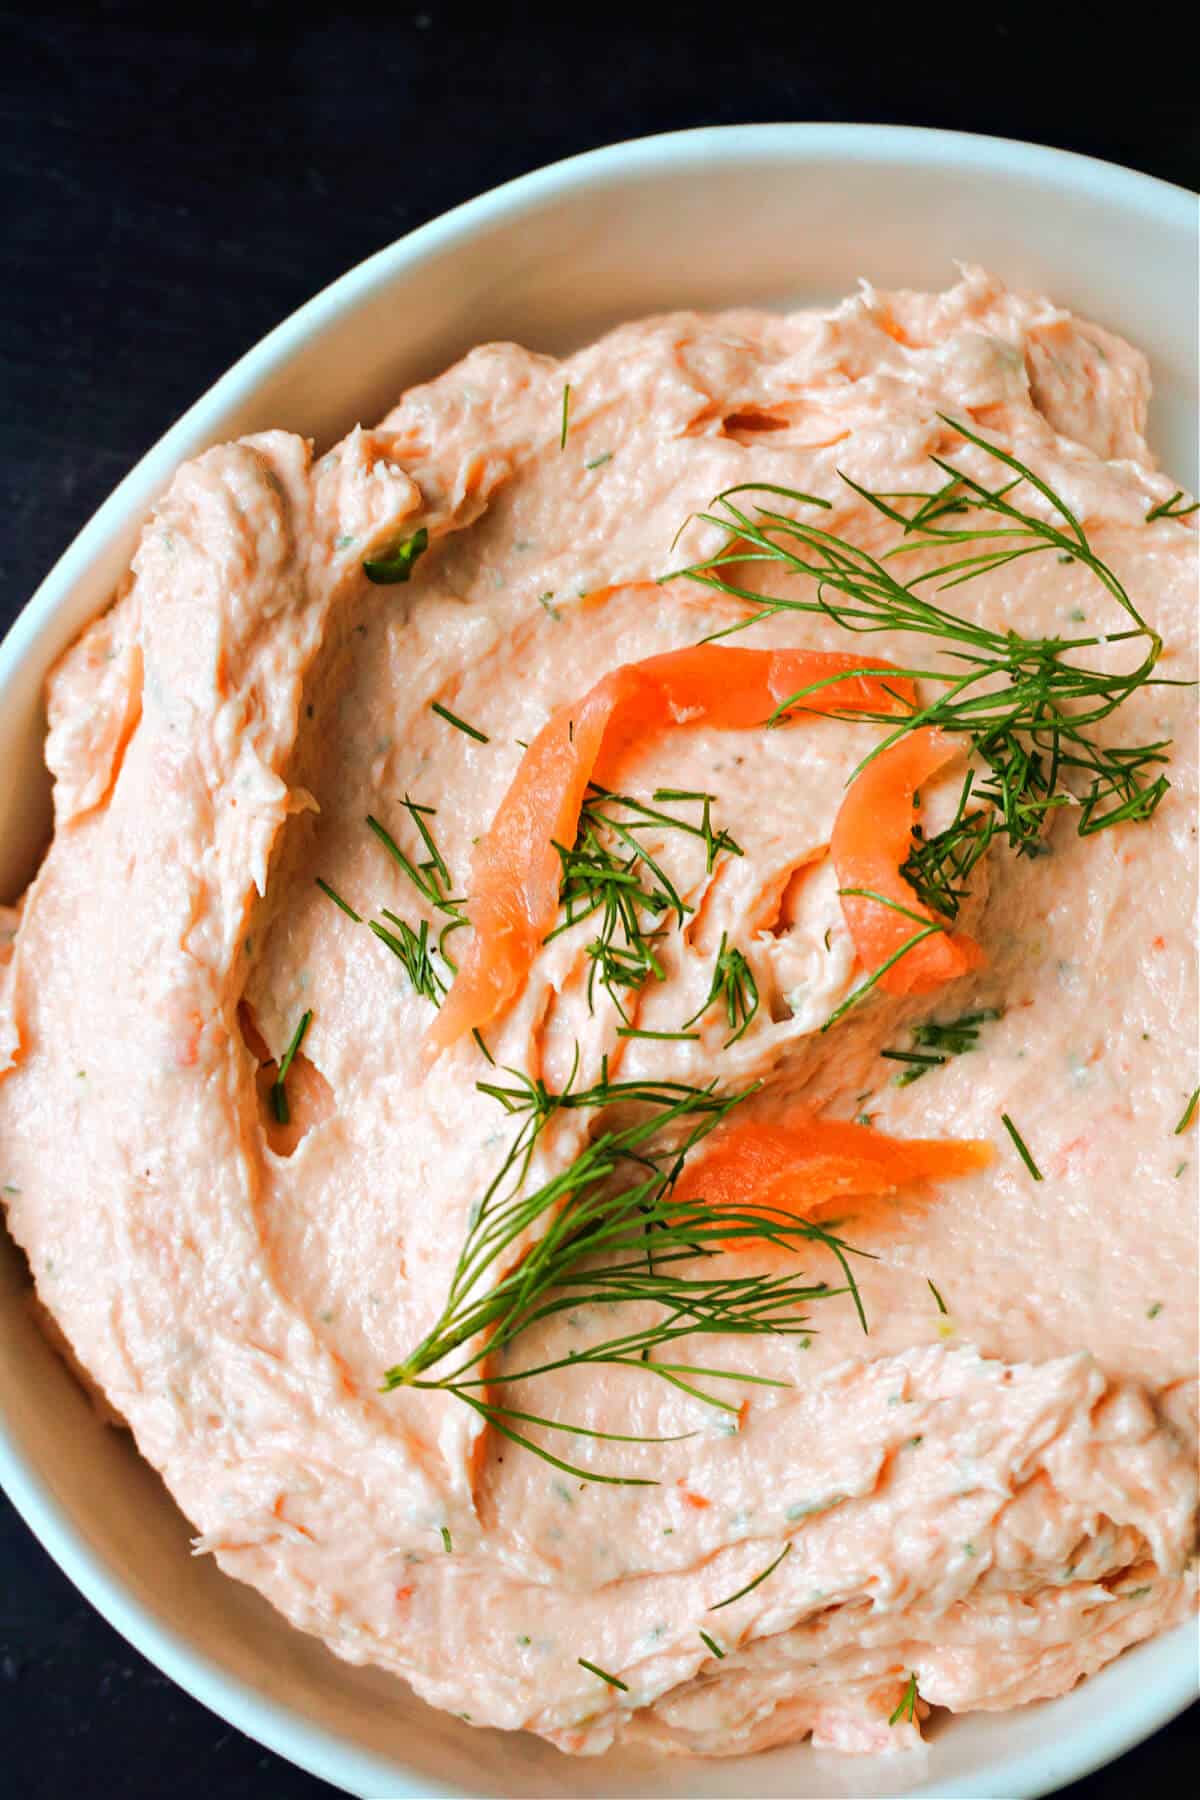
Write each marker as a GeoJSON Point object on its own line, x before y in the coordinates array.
{"type": "Point", "coordinates": [601, 1064]}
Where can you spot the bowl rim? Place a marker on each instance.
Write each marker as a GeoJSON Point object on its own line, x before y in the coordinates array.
{"type": "Point", "coordinates": [1023, 1776]}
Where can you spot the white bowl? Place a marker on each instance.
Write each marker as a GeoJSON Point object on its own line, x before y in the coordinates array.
{"type": "Point", "coordinates": [551, 260]}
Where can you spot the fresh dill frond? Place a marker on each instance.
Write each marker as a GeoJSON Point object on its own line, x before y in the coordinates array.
{"type": "Point", "coordinates": [734, 987]}
{"type": "Point", "coordinates": [711, 1644]}
{"type": "Point", "coordinates": [596, 1241]}
{"type": "Point", "coordinates": [566, 416]}
{"type": "Point", "coordinates": [1189, 1113]}
{"type": "Point", "coordinates": [1029, 707]}
{"type": "Point", "coordinates": [605, 871]}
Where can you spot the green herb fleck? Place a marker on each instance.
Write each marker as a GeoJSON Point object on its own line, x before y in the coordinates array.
{"type": "Point", "coordinates": [941, 1304]}
{"type": "Point", "coordinates": [751, 1585]}
{"type": "Point", "coordinates": [1152, 1312]}
{"type": "Point", "coordinates": [279, 1103]}
{"type": "Point", "coordinates": [908, 1702]}
{"type": "Point", "coordinates": [447, 1544]}
{"type": "Point", "coordinates": [1021, 1146]}
{"type": "Point", "coordinates": [713, 1645]}
{"type": "Point", "coordinates": [566, 415]}
{"type": "Point", "coordinates": [1189, 1113]}
{"type": "Point", "coordinates": [338, 901]}
{"type": "Point", "coordinates": [936, 1043]}
{"type": "Point", "coordinates": [523, 1640]}
{"type": "Point", "coordinates": [598, 462]}
{"type": "Point", "coordinates": [546, 600]}
{"type": "Point", "coordinates": [472, 731]}
{"type": "Point", "coordinates": [634, 1031]}
{"type": "Point", "coordinates": [396, 564]}
{"type": "Point", "coordinates": [583, 1662]}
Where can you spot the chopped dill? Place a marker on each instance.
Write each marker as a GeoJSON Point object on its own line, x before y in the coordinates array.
{"type": "Point", "coordinates": [941, 1304]}
{"type": "Point", "coordinates": [566, 416]}
{"type": "Point", "coordinates": [908, 1702]}
{"type": "Point", "coordinates": [279, 1101]}
{"type": "Point", "coordinates": [594, 1669]}
{"type": "Point", "coordinates": [447, 1544]}
{"type": "Point", "coordinates": [712, 1644]}
{"type": "Point", "coordinates": [1189, 1113]}
{"type": "Point", "coordinates": [936, 1043]}
{"type": "Point", "coordinates": [471, 731]}
{"type": "Point", "coordinates": [397, 563]}
{"type": "Point", "coordinates": [338, 901]}
{"type": "Point", "coordinates": [758, 1579]}
{"type": "Point", "coordinates": [1022, 1148]}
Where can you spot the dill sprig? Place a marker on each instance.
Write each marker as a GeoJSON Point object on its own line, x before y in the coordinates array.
{"type": "Point", "coordinates": [734, 986]}
{"type": "Point", "coordinates": [412, 949]}
{"type": "Point", "coordinates": [412, 946]}
{"type": "Point", "coordinates": [1029, 706]}
{"type": "Point", "coordinates": [936, 1043]}
{"type": "Point", "coordinates": [1189, 1113]}
{"type": "Point", "coordinates": [279, 1099]}
{"type": "Point", "coordinates": [583, 1238]}
{"type": "Point", "coordinates": [604, 872]}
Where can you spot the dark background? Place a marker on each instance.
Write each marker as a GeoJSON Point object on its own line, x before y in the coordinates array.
{"type": "Point", "coordinates": [167, 194]}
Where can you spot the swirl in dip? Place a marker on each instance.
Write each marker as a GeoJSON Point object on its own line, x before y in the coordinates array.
{"type": "Point", "coordinates": [984, 1497]}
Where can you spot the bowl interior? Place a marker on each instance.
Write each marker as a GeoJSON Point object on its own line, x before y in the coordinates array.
{"type": "Point", "coordinates": [551, 261]}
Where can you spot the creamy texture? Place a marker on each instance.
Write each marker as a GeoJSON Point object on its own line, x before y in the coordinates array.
{"type": "Point", "coordinates": [998, 1499]}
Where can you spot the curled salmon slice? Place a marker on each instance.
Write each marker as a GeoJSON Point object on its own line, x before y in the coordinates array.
{"type": "Point", "coordinates": [515, 874]}
{"type": "Point", "coordinates": [805, 1164]}
{"type": "Point", "coordinates": [872, 836]}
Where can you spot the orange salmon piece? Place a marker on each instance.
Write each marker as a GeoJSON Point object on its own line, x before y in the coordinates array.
{"type": "Point", "coordinates": [871, 837]}
{"type": "Point", "coordinates": [516, 872]}
{"type": "Point", "coordinates": [805, 1164]}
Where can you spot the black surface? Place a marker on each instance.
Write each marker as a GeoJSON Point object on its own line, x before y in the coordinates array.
{"type": "Point", "coordinates": [166, 195]}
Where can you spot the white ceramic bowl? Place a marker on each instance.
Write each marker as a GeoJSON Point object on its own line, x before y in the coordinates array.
{"type": "Point", "coordinates": [551, 260]}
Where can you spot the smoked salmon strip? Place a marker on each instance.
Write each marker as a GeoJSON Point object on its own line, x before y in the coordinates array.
{"type": "Point", "coordinates": [807, 1163]}
{"type": "Point", "coordinates": [872, 836]}
{"type": "Point", "coordinates": [516, 872]}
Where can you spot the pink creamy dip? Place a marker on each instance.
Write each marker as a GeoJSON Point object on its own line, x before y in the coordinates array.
{"type": "Point", "coordinates": [998, 1499]}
